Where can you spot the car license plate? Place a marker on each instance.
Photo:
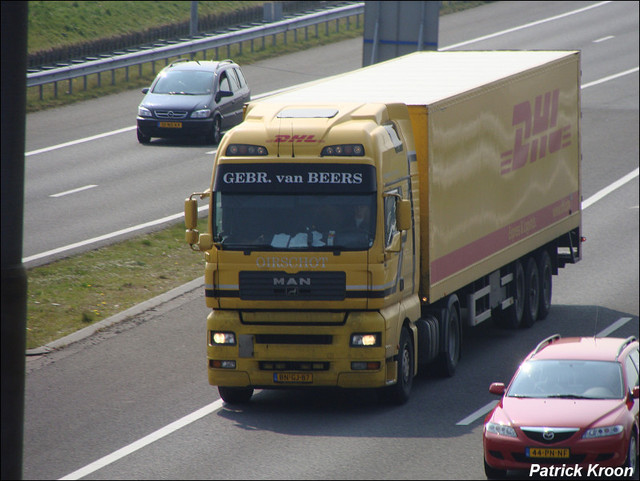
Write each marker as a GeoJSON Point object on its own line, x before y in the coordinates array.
{"type": "Point", "coordinates": [299, 377]}
{"type": "Point", "coordinates": [170, 125]}
{"type": "Point", "coordinates": [548, 452]}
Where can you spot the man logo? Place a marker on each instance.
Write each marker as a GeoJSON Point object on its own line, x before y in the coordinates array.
{"type": "Point", "coordinates": [291, 291]}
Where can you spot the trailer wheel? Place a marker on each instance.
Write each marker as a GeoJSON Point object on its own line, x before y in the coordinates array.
{"type": "Point", "coordinates": [400, 391]}
{"type": "Point", "coordinates": [545, 270]}
{"type": "Point", "coordinates": [450, 355]}
{"type": "Point", "coordinates": [235, 395]}
{"type": "Point", "coordinates": [511, 317]}
{"type": "Point", "coordinates": [532, 293]}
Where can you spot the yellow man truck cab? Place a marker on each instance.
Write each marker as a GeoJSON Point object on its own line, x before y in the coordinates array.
{"type": "Point", "coordinates": [355, 224]}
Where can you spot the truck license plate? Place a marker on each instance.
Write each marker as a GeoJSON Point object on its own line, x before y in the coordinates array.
{"type": "Point", "coordinates": [170, 125]}
{"type": "Point", "coordinates": [548, 452]}
{"type": "Point", "coordinates": [299, 377]}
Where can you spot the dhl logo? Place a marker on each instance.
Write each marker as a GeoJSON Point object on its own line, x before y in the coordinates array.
{"type": "Point", "coordinates": [537, 133]}
{"type": "Point", "coordinates": [294, 138]}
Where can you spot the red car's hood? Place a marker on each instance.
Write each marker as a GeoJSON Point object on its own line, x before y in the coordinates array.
{"type": "Point", "coordinates": [554, 412]}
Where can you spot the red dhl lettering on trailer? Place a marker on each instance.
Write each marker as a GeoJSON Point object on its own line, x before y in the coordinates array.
{"type": "Point", "coordinates": [537, 133]}
{"type": "Point", "coordinates": [294, 138]}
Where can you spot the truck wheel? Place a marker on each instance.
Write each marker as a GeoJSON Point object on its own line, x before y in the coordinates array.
{"type": "Point", "coordinates": [216, 131]}
{"type": "Point", "coordinates": [400, 391]}
{"type": "Point", "coordinates": [511, 317]}
{"type": "Point", "coordinates": [545, 270]}
{"type": "Point", "coordinates": [235, 395]}
{"type": "Point", "coordinates": [450, 355]}
{"type": "Point", "coordinates": [532, 293]}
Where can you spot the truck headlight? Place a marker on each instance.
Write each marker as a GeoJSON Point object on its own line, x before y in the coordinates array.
{"type": "Point", "coordinates": [366, 339]}
{"type": "Point", "coordinates": [222, 338]}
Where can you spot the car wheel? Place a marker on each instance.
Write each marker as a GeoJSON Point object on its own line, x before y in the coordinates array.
{"type": "Point", "coordinates": [400, 391]}
{"type": "Point", "coordinates": [632, 457]}
{"type": "Point", "coordinates": [143, 139]}
{"type": "Point", "coordinates": [216, 131]}
{"type": "Point", "coordinates": [493, 473]}
{"type": "Point", "coordinates": [532, 293]}
{"type": "Point", "coordinates": [512, 316]}
{"type": "Point", "coordinates": [235, 395]}
{"type": "Point", "coordinates": [546, 280]}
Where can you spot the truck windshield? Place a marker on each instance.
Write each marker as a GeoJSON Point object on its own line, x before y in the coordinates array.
{"type": "Point", "coordinates": [294, 221]}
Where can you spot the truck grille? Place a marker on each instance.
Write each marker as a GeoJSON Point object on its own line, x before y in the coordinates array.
{"type": "Point", "coordinates": [321, 286]}
{"type": "Point", "coordinates": [309, 339]}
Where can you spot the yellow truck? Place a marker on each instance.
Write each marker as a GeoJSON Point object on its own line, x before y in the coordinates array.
{"type": "Point", "coordinates": [356, 224]}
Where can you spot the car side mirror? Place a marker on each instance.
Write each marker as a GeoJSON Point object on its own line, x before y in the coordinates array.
{"type": "Point", "coordinates": [635, 392]}
{"type": "Point", "coordinates": [145, 90]}
{"type": "Point", "coordinates": [497, 388]}
{"type": "Point", "coordinates": [223, 93]}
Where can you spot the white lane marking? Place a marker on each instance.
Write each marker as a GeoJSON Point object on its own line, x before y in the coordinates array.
{"type": "Point", "coordinates": [477, 414]}
{"type": "Point", "coordinates": [107, 236]}
{"type": "Point", "coordinates": [527, 25]}
{"type": "Point", "coordinates": [79, 141]}
{"type": "Point", "coordinates": [610, 77]}
{"type": "Point", "coordinates": [141, 443]}
{"type": "Point", "coordinates": [603, 39]}
{"type": "Point", "coordinates": [73, 191]}
{"type": "Point", "coordinates": [616, 325]}
{"type": "Point", "coordinates": [610, 188]}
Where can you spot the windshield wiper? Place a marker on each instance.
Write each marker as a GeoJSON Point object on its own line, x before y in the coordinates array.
{"type": "Point", "coordinates": [568, 396]}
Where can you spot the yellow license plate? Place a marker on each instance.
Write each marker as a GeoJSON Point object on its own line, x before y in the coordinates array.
{"type": "Point", "coordinates": [171, 125]}
{"type": "Point", "coordinates": [548, 452]}
{"type": "Point", "coordinates": [299, 377]}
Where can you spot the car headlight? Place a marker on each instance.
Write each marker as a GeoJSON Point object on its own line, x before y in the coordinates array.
{"type": "Point", "coordinates": [144, 112]}
{"type": "Point", "coordinates": [602, 432]}
{"type": "Point", "coordinates": [500, 429]}
{"type": "Point", "coordinates": [201, 114]}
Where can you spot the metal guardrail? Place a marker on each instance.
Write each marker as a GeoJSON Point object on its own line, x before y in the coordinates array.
{"type": "Point", "coordinates": [190, 47]}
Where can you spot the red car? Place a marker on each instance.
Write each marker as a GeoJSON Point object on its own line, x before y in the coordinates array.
{"type": "Point", "coordinates": [570, 410]}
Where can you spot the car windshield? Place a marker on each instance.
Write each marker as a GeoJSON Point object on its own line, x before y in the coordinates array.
{"type": "Point", "coordinates": [184, 82]}
{"type": "Point", "coordinates": [568, 379]}
{"type": "Point", "coordinates": [294, 221]}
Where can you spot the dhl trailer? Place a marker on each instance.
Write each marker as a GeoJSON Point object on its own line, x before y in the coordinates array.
{"type": "Point", "coordinates": [358, 223]}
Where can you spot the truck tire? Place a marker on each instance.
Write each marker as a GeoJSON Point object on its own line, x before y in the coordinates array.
{"type": "Point", "coordinates": [546, 280]}
{"type": "Point", "coordinates": [399, 393]}
{"type": "Point", "coordinates": [235, 395]}
{"type": "Point", "coordinates": [452, 340]}
{"type": "Point", "coordinates": [532, 293]}
{"type": "Point", "coordinates": [511, 317]}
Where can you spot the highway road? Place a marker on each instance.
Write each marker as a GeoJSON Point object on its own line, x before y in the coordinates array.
{"type": "Point", "coordinates": [132, 402]}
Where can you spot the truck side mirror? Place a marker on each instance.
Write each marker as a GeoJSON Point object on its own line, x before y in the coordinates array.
{"type": "Point", "coordinates": [403, 214]}
{"type": "Point", "coordinates": [190, 213]}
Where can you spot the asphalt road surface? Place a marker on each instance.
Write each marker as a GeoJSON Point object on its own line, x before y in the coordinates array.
{"type": "Point", "coordinates": [132, 402]}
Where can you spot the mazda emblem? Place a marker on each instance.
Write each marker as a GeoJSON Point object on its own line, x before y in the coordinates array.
{"type": "Point", "coordinates": [548, 435]}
